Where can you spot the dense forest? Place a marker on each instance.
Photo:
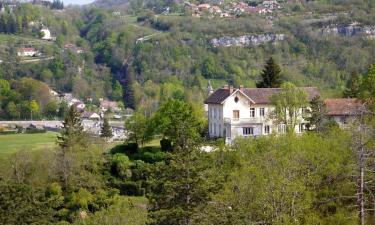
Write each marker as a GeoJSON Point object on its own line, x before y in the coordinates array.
{"type": "Point", "coordinates": [156, 56]}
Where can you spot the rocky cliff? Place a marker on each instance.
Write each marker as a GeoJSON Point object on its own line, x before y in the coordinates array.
{"type": "Point", "coordinates": [246, 40]}
{"type": "Point", "coordinates": [350, 30]}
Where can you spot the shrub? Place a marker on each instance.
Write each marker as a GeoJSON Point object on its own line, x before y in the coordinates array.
{"type": "Point", "coordinates": [6, 132]}
{"type": "Point", "coordinates": [131, 188]}
{"type": "Point", "coordinates": [166, 145]}
{"type": "Point", "coordinates": [128, 149]}
{"type": "Point", "coordinates": [120, 166]}
{"type": "Point", "coordinates": [35, 131]}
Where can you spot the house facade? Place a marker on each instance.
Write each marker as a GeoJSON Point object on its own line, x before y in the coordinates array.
{"type": "Point", "coordinates": [343, 110]}
{"type": "Point", "coordinates": [245, 112]}
{"type": "Point", "coordinates": [27, 52]}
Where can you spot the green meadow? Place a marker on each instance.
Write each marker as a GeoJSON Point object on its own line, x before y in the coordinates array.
{"type": "Point", "coordinates": [31, 142]}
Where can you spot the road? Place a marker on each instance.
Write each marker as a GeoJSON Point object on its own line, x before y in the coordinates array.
{"type": "Point", "coordinates": [58, 123]}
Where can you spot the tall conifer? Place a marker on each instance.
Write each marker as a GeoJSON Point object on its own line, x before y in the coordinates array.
{"type": "Point", "coordinates": [271, 77]}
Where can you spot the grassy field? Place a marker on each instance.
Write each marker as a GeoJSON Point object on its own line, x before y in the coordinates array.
{"type": "Point", "coordinates": [27, 39]}
{"type": "Point", "coordinates": [12, 143]}
{"type": "Point", "coordinates": [153, 143]}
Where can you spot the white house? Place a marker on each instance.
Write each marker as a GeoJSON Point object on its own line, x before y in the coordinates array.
{"type": "Point", "coordinates": [90, 116]}
{"type": "Point", "coordinates": [245, 112]}
{"type": "Point", "coordinates": [24, 52]}
{"type": "Point", "coordinates": [46, 33]}
{"type": "Point", "coordinates": [106, 105]}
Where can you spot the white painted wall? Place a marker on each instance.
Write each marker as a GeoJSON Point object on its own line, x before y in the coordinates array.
{"type": "Point", "coordinates": [46, 34]}
{"type": "Point", "coordinates": [219, 113]}
{"type": "Point", "coordinates": [242, 105]}
{"type": "Point", "coordinates": [215, 120]}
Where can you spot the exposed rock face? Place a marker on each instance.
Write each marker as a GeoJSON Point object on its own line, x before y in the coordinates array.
{"type": "Point", "coordinates": [246, 40]}
{"type": "Point", "coordinates": [350, 30]}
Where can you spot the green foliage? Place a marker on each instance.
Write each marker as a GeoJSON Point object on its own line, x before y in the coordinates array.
{"type": "Point", "coordinates": [180, 187]}
{"type": "Point", "coordinates": [270, 75]}
{"type": "Point", "coordinates": [285, 180]}
{"type": "Point", "coordinates": [34, 109]}
{"type": "Point", "coordinates": [21, 204]}
{"type": "Point", "coordinates": [316, 114]}
{"type": "Point", "coordinates": [106, 130]}
{"type": "Point", "coordinates": [368, 85]}
{"type": "Point", "coordinates": [25, 98]}
{"type": "Point", "coordinates": [124, 210]}
{"type": "Point", "coordinates": [129, 97]}
{"type": "Point", "coordinates": [177, 121]}
{"type": "Point", "coordinates": [120, 166]}
{"type": "Point", "coordinates": [288, 103]}
{"type": "Point", "coordinates": [353, 87]}
{"type": "Point", "coordinates": [165, 145]}
{"type": "Point", "coordinates": [139, 128]}
{"type": "Point", "coordinates": [128, 149]}
{"type": "Point", "coordinates": [72, 131]}
{"type": "Point", "coordinates": [117, 93]}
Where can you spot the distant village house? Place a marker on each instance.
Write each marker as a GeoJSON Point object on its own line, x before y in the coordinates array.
{"type": "Point", "coordinates": [27, 52]}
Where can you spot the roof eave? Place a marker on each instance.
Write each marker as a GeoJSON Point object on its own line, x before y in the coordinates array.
{"type": "Point", "coordinates": [234, 92]}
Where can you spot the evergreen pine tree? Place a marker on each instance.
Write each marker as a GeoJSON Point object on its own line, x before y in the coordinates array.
{"type": "Point", "coordinates": [71, 139]}
{"type": "Point", "coordinates": [106, 131]}
{"type": "Point", "coordinates": [72, 131]}
{"type": "Point", "coordinates": [317, 114]}
{"type": "Point", "coordinates": [128, 89]}
{"type": "Point", "coordinates": [271, 77]}
{"type": "Point", "coordinates": [180, 188]}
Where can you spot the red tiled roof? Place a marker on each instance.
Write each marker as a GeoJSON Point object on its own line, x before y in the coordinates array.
{"type": "Point", "coordinates": [258, 95]}
{"type": "Point", "coordinates": [343, 106]}
{"type": "Point", "coordinates": [27, 49]}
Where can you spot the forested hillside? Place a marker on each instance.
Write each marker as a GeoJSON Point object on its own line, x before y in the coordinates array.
{"type": "Point", "coordinates": [155, 56]}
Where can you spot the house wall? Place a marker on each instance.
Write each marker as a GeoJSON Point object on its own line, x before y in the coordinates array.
{"type": "Point", "coordinates": [26, 53]}
{"type": "Point", "coordinates": [215, 120]}
{"type": "Point", "coordinates": [242, 105]}
{"type": "Point", "coordinates": [343, 121]}
{"type": "Point", "coordinates": [222, 123]}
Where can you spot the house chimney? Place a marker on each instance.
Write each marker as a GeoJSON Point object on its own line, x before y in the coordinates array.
{"type": "Point", "coordinates": [241, 87]}
{"type": "Point", "coordinates": [226, 87]}
{"type": "Point", "coordinates": [231, 89]}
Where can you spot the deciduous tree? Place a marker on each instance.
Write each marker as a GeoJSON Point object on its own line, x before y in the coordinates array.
{"type": "Point", "coordinates": [288, 106]}
{"type": "Point", "coordinates": [177, 121]}
{"type": "Point", "coordinates": [139, 128]}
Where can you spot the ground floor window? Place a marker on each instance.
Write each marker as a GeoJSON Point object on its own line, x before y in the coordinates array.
{"type": "Point", "coordinates": [266, 129]}
{"type": "Point", "coordinates": [281, 128]}
{"type": "Point", "coordinates": [248, 130]}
